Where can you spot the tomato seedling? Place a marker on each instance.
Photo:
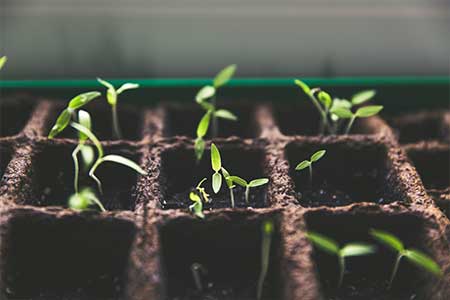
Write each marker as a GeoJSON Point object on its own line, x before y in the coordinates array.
{"type": "Point", "coordinates": [308, 163]}
{"type": "Point", "coordinates": [198, 196]}
{"type": "Point", "coordinates": [247, 185]}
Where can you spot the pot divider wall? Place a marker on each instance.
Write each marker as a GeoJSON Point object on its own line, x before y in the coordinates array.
{"type": "Point", "coordinates": [144, 246]}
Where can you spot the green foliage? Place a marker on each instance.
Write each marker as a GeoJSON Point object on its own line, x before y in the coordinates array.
{"type": "Point", "coordinates": [206, 98]}
{"type": "Point", "coordinates": [3, 61]}
{"type": "Point", "coordinates": [363, 96]}
{"type": "Point", "coordinates": [308, 163]}
{"type": "Point", "coordinates": [414, 256]}
{"type": "Point", "coordinates": [247, 185]}
{"type": "Point", "coordinates": [84, 200]}
{"type": "Point", "coordinates": [267, 232]}
{"type": "Point", "coordinates": [332, 247]}
{"type": "Point", "coordinates": [198, 197]}
{"type": "Point", "coordinates": [216, 165]}
{"type": "Point", "coordinates": [66, 115]}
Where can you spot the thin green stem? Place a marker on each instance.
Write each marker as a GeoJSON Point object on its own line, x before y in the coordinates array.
{"type": "Point", "coordinates": [394, 271]}
{"type": "Point", "coordinates": [350, 123]}
{"type": "Point", "coordinates": [115, 119]}
{"type": "Point", "coordinates": [76, 166]}
{"type": "Point", "coordinates": [92, 175]}
{"type": "Point", "coordinates": [341, 270]}
{"type": "Point", "coordinates": [247, 192]}
{"type": "Point", "coordinates": [265, 255]}
{"type": "Point", "coordinates": [322, 112]}
{"type": "Point", "coordinates": [232, 197]}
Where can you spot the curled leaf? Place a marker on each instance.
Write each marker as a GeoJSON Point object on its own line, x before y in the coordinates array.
{"type": "Point", "coordinates": [84, 118]}
{"type": "Point", "coordinates": [124, 161]}
{"type": "Point", "coordinates": [303, 86]}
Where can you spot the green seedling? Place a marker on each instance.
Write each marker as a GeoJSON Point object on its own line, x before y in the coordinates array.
{"type": "Point", "coordinates": [111, 96]}
{"type": "Point", "coordinates": [216, 164]}
{"type": "Point", "coordinates": [308, 163]}
{"type": "Point", "coordinates": [84, 199]}
{"type": "Point", "coordinates": [363, 112]}
{"type": "Point", "coordinates": [198, 197]}
{"type": "Point", "coordinates": [332, 247]}
{"type": "Point", "coordinates": [247, 185]}
{"type": "Point", "coordinates": [197, 271]}
{"type": "Point", "coordinates": [230, 185]}
{"type": "Point", "coordinates": [70, 112]}
{"type": "Point", "coordinates": [101, 158]}
{"type": "Point", "coordinates": [267, 232]}
{"type": "Point", "coordinates": [212, 112]}
{"type": "Point", "coordinates": [3, 60]}
{"type": "Point", "coordinates": [414, 256]}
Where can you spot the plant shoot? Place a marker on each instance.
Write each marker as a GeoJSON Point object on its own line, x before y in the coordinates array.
{"type": "Point", "coordinates": [216, 164]}
{"type": "Point", "coordinates": [332, 247]}
{"type": "Point", "coordinates": [111, 96]}
{"type": "Point", "coordinates": [198, 196]}
{"type": "Point", "coordinates": [267, 232]}
{"type": "Point", "coordinates": [308, 163]}
{"type": "Point", "coordinates": [84, 199]}
{"type": "Point", "coordinates": [414, 256]}
{"type": "Point", "coordinates": [230, 185]}
{"type": "Point", "coordinates": [247, 185]}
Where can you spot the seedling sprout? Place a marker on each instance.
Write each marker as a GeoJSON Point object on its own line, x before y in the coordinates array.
{"type": "Point", "coordinates": [363, 112]}
{"type": "Point", "coordinates": [112, 96]}
{"type": "Point", "coordinates": [197, 271]}
{"type": "Point", "coordinates": [247, 185]}
{"type": "Point", "coordinates": [414, 256]}
{"type": "Point", "coordinates": [230, 185]}
{"type": "Point", "coordinates": [332, 247]}
{"type": "Point", "coordinates": [84, 199]}
{"type": "Point", "coordinates": [267, 231]}
{"type": "Point", "coordinates": [216, 164]}
{"type": "Point", "coordinates": [308, 163]}
{"type": "Point", "coordinates": [3, 60]}
{"type": "Point", "coordinates": [198, 197]}
{"type": "Point", "coordinates": [212, 112]}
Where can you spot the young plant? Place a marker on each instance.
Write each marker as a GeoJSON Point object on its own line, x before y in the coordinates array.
{"type": "Point", "coordinates": [84, 199]}
{"type": "Point", "coordinates": [362, 112]}
{"type": "Point", "coordinates": [212, 112]}
{"type": "Point", "coordinates": [414, 256]}
{"type": "Point", "coordinates": [216, 164]}
{"type": "Point", "coordinates": [198, 196]}
{"type": "Point", "coordinates": [230, 184]}
{"type": "Point", "coordinates": [267, 231]}
{"type": "Point", "coordinates": [111, 96]}
{"type": "Point", "coordinates": [70, 112]}
{"type": "Point", "coordinates": [332, 247]}
{"type": "Point", "coordinates": [3, 60]}
{"type": "Point", "coordinates": [197, 271]}
{"type": "Point", "coordinates": [308, 163]}
{"type": "Point", "coordinates": [247, 185]}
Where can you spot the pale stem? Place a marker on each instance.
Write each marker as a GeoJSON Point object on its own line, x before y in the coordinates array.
{"type": "Point", "coordinates": [265, 255]}
{"type": "Point", "coordinates": [232, 197]}
{"type": "Point", "coordinates": [115, 119]}
{"type": "Point", "coordinates": [215, 123]}
{"type": "Point", "coordinates": [196, 270]}
{"type": "Point", "coordinates": [394, 271]}
{"type": "Point", "coordinates": [92, 175]}
{"type": "Point", "coordinates": [350, 123]}
{"type": "Point", "coordinates": [323, 114]}
{"type": "Point", "coordinates": [247, 192]}
{"type": "Point", "coordinates": [310, 174]}
{"type": "Point", "coordinates": [341, 270]}
{"type": "Point", "coordinates": [76, 167]}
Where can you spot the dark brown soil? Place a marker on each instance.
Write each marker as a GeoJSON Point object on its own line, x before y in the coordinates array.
{"type": "Point", "coordinates": [14, 115]}
{"type": "Point", "coordinates": [144, 246]}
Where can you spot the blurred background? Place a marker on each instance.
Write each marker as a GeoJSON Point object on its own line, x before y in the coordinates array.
{"type": "Point", "coordinates": [47, 39]}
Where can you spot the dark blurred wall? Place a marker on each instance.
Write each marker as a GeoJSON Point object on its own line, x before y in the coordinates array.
{"type": "Point", "coordinates": [138, 38]}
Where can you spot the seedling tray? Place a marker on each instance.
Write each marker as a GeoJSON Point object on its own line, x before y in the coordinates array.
{"type": "Point", "coordinates": [393, 171]}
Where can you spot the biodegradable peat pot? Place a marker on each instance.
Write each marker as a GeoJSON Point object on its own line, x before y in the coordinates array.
{"type": "Point", "coordinates": [144, 246]}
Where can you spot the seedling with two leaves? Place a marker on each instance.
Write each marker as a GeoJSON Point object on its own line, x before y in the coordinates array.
{"type": "Point", "coordinates": [111, 96]}
{"type": "Point", "coordinates": [414, 256]}
{"type": "Point", "coordinates": [212, 112]}
{"type": "Point", "coordinates": [332, 247]}
{"type": "Point", "coordinates": [198, 196]}
{"type": "Point", "coordinates": [308, 163]}
{"type": "Point", "coordinates": [216, 164]}
{"type": "Point", "coordinates": [334, 110]}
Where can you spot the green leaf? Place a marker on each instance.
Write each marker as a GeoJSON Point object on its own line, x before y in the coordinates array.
{"type": "Point", "coordinates": [423, 261]}
{"type": "Point", "coordinates": [3, 61]}
{"type": "Point", "coordinates": [318, 155]}
{"type": "Point", "coordinates": [194, 197]}
{"type": "Point", "coordinates": [357, 249]}
{"type": "Point", "coordinates": [197, 209]}
{"type": "Point", "coordinates": [325, 98]}
{"type": "Point", "coordinates": [216, 162]}
{"type": "Point", "coordinates": [204, 93]}
{"type": "Point", "coordinates": [341, 103]}
{"type": "Point", "coordinates": [323, 242]}
{"type": "Point", "coordinates": [124, 161]}
{"type": "Point", "coordinates": [303, 86]}
{"type": "Point", "coordinates": [111, 97]}
{"type": "Point", "coordinates": [224, 76]}
{"type": "Point", "coordinates": [82, 99]}
{"type": "Point", "coordinates": [84, 118]}
{"type": "Point", "coordinates": [90, 135]}
{"type": "Point", "coordinates": [105, 83]}
{"type": "Point", "coordinates": [368, 111]}
{"type": "Point", "coordinates": [127, 86]}
{"type": "Point", "coordinates": [238, 180]}
{"type": "Point", "coordinates": [61, 123]}
{"type": "Point", "coordinates": [78, 202]}
{"type": "Point", "coordinates": [388, 239]}
{"type": "Point", "coordinates": [227, 176]}
{"type": "Point", "coordinates": [225, 114]}
{"type": "Point", "coordinates": [342, 112]}
{"type": "Point", "coordinates": [199, 148]}
{"type": "Point", "coordinates": [362, 97]}
{"type": "Point", "coordinates": [258, 182]}
{"type": "Point", "coordinates": [303, 165]}
{"type": "Point", "coordinates": [216, 182]}
{"type": "Point", "coordinates": [202, 128]}
{"type": "Point", "coordinates": [87, 155]}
